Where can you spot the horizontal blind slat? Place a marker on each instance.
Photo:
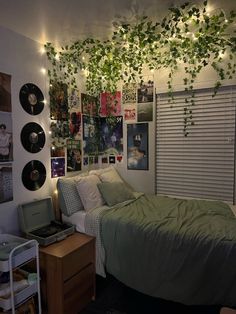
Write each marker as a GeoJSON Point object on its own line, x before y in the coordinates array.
{"type": "Point", "coordinates": [202, 164]}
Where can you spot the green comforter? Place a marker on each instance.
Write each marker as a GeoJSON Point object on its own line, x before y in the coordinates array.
{"type": "Point", "coordinates": [179, 250]}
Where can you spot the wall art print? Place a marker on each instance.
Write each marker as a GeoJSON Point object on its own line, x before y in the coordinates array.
{"type": "Point", "coordinates": [145, 91]}
{"type": "Point", "coordinates": [6, 189]}
{"type": "Point", "coordinates": [91, 135]}
{"type": "Point", "coordinates": [90, 105]}
{"type": "Point", "coordinates": [130, 114]}
{"type": "Point", "coordinates": [57, 167]}
{"type": "Point", "coordinates": [129, 93]}
{"type": "Point", "coordinates": [110, 104]}
{"type": "Point", "coordinates": [137, 146]}
{"type": "Point", "coordinates": [58, 101]}
{"type": "Point", "coordinates": [6, 144]}
{"type": "Point", "coordinates": [111, 131]}
{"type": "Point", "coordinates": [74, 158]}
{"type": "Point", "coordinates": [75, 125]}
{"type": "Point", "coordinates": [145, 111]}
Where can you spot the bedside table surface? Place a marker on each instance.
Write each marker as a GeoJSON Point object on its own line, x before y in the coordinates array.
{"type": "Point", "coordinates": [66, 246]}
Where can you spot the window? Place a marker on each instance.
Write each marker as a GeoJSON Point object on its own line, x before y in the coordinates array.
{"type": "Point", "coordinates": [203, 163]}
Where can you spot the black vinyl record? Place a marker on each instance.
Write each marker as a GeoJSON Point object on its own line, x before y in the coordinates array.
{"type": "Point", "coordinates": [33, 175]}
{"type": "Point", "coordinates": [31, 99]}
{"type": "Point", "coordinates": [32, 137]}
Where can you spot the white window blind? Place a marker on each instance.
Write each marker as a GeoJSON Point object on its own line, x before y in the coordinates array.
{"type": "Point", "coordinates": [203, 163]}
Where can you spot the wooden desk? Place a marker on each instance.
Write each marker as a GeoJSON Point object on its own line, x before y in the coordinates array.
{"type": "Point", "coordinates": [67, 270]}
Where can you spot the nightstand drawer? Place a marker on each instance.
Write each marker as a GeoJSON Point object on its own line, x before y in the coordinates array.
{"type": "Point", "coordinates": [83, 284]}
{"type": "Point", "coordinates": [77, 260]}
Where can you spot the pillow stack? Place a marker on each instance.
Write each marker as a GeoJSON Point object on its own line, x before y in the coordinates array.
{"type": "Point", "coordinates": [90, 190]}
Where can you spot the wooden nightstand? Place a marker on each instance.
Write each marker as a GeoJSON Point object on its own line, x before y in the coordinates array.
{"type": "Point", "coordinates": [67, 270]}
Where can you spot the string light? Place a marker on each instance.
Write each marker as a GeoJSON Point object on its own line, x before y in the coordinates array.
{"type": "Point", "coordinates": [43, 70]}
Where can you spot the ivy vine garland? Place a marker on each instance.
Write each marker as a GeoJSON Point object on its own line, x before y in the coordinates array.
{"type": "Point", "coordinates": [188, 35]}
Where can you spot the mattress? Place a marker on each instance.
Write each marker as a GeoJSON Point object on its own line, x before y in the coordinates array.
{"type": "Point", "coordinates": [77, 219]}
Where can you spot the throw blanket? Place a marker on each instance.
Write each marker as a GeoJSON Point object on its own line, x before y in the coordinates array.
{"type": "Point", "coordinates": [179, 250]}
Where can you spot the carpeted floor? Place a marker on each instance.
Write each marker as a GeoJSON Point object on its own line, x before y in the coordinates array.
{"type": "Point", "coordinates": [112, 297]}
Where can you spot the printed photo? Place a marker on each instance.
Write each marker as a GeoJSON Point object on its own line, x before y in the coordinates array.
{"type": "Point", "coordinates": [145, 91]}
{"type": "Point", "coordinates": [130, 112]}
{"type": "Point", "coordinates": [145, 111]}
{"type": "Point", "coordinates": [91, 135]}
{"type": "Point", "coordinates": [6, 144]}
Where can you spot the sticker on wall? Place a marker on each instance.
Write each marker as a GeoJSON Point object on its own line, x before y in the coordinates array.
{"type": "Point", "coordinates": [33, 137]}
{"type": "Point", "coordinates": [33, 175]}
{"type": "Point", "coordinates": [31, 99]}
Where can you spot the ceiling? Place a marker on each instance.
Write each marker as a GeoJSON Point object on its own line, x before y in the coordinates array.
{"type": "Point", "coordinates": [64, 21]}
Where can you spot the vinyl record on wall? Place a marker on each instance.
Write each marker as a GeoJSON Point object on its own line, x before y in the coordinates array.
{"type": "Point", "coordinates": [33, 175]}
{"type": "Point", "coordinates": [32, 137]}
{"type": "Point", "coordinates": [31, 99]}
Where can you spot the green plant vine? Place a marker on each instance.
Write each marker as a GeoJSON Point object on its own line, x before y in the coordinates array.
{"type": "Point", "coordinates": [188, 36]}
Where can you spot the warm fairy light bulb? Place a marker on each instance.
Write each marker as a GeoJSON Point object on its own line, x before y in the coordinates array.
{"type": "Point", "coordinates": [43, 70]}
{"type": "Point", "coordinates": [55, 192]}
{"type": "Point", "coordinates": [45, 101]}
{"type": "Point", "coordinates": [42, 50]}
{"type": "Point", "coordinates": [53, 147]}
{"type": "Point", "coordinates": [50, 132]}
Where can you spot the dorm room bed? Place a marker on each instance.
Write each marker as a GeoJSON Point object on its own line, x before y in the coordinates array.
{"type": "Point", "coordinates": [171, 248]}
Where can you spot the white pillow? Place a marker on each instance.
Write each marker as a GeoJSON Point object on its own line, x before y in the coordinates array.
{"type": "Point", "coordinates": [89, 192]}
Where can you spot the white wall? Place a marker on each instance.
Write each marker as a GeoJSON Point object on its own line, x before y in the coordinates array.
{"type": "Point", "coordinates": [20, 57]}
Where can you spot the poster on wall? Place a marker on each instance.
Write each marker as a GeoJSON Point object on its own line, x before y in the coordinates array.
{"type": "Point", "coordinates": [137, 146]}
{"type": "Point", "coordinates": [111, 132]}
{"type": "Point", "coordinates": [58, 101]}
{"type": "Point", "coordinates": [74, 99]}
{"type": "Point", "coordinates": [130, 112]}
{"type": "Point", "coordinates": [57, 167]}
{"type": "Point", "coordinates": [110, 104]}
{"type": "Point", "coordinates": [91, 135]}
{"type": "Point", "coordinates": [5, 92]}
{"type": "Point", "coordinates": [75, 125]}
{"type": "Point", "coordinates": [145, 91]}
{"type": "Point", "coordinates": [90, 105]}
{"type": "Point", "coordinates": [6, 189]}
{"type": "Point", "coordinates": [6, 144]}
{"type": "Point", "coordinates": [129, 93]}
{"type": "Point", "coordinates": [145, 112]}
{"type": "Point", "coordinates": [74, 155]}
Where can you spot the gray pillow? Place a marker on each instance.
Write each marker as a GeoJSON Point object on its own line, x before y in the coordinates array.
{"type": "Point", "coordinates": [115, 192]}
{"type": "Point", "coordinates": [68, 196]}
